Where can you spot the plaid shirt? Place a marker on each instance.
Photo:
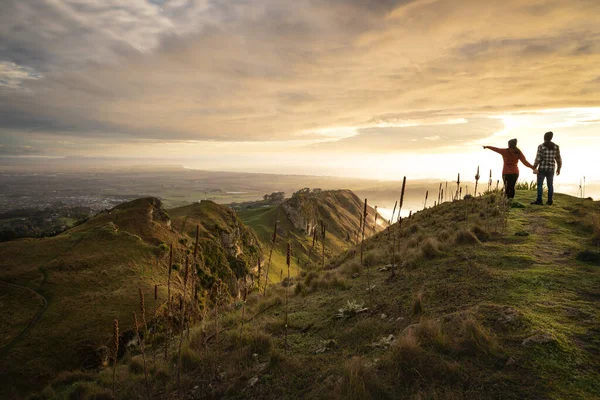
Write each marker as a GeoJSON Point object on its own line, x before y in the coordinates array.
{"type": "Point", "coordinates": [547, 158]}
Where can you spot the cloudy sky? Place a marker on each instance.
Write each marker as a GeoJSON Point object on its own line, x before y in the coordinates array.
{"type": "Point", "coordinates": [371, 88]}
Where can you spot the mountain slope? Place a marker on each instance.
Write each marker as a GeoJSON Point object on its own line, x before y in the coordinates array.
{"type": "Point", "coordinates": [91, 274]}
{"type": "Point", "coordinates": [489, 302]}
{"type": "Point", "coordinates": [298, 218]}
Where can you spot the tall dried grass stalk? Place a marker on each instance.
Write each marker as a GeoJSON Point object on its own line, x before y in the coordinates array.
{"type": "Point", "coordinates": [168, 316]}
{"type": "Point", "coordinates": [490, 182]}
{"type": "Point", "coordinates": [273, 240]}
{"type": "Point", "coordinates": [115, 352]}
{"type": "Point", "coordinates": [360, 221]}
{"type": "Point", "coordinates": [477, 176]}
{"type": "Point", "coordinates": [397, 230]}
{"type": "Point", "coordinates": [440, 193]}
{"type": "Point", "coordinates": [457, 187]}
{"type": "Point", "coordinates": [154, 330]}
{"type": "Point", "coordinates": [323, 236]}
{"type": "Point", "coordinates": [389, 228]}
{"type": "Point", "coordinates": [426, 196]}
{"type": "Point", "coordinates": [244, 297]}
{"type": "Point", "coordinates": [375, 223]}
{"type": "Point", "coordinates": [362, 246]}
{"type": "Point", "coordinates": [446, 191]}
{"type": "Point", "coordinates": [287, 261]}
{"type": "Point", "coordinates": [143, 311]}
{"type": "Point", "coordinates": [182, 320]}
{"type": "Point", "coordinates": [258, 274]}
{"type": "Point", "coordinates": [137, 331]}
{"type": "Point", "coordinates": [314, 241]}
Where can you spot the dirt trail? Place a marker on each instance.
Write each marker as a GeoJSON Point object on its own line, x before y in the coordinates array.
{"type": "Point", "coordinates": [4, 350]}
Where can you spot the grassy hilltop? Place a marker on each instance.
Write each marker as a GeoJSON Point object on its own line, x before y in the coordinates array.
{"type": "Point", "coordinates": [91, 274]}
{"type": "Point", "coordinates": [340, 211]}
{"type": "Point", "coordinates": [488, 302]}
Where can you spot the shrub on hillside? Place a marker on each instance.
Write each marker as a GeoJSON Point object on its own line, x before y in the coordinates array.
{"type": "Point", "coordinates": [430, 248]}
{"type": "Point", "coordinates": [465, 237]}
{"type": "Point", "coordinates": [481, 233]}
{"type": "Point", "coordinates": [476, 339]}
{"type": "Point", "coordinates": [136, 366]}
{"type": "Point", "coordinates": [359, 381]}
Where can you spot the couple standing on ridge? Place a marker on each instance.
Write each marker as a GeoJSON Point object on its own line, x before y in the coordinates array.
{"type": "Point", "coordinates": [547, 159]}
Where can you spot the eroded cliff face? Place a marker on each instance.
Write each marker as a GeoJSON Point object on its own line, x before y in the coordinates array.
{"type": "Point", "coordinates": [301, 213]}
{"type": "Point", "coordinates": [229, 249]}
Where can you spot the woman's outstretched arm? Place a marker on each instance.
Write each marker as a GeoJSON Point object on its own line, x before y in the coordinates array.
{"type": "Point", "coordinates": [492, 148]}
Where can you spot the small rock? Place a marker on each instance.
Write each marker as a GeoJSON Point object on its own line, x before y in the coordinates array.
{"type": "Point", "coordinates": [400, 319]}
{"type": "Point", "coordinates": [383, 316]}
{"type": "Point", "coordinates": [355, 275]}
{"type": "Point", "coordinates": [539, 338]}
{"type": "Point", "coordinates": [252, 381]}
{"type": "Point", "coordinates": [511, 361]}
{"type": "Point", "coordinates": [196, 387]}
{"type": "Point", "coordinates": [260, 367]}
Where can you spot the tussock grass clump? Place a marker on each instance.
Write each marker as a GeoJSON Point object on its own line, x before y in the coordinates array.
{"type": "Point", "coordinates": [350, 268]}
{"type": "Point", "coordinates": [430, 248]}
{"type": "Point", "coordinates": [476, 339]}
{"type": "Point", "coordinates": [465, 237]}
{"type": "Point", "coordinates": [375, 257]}
{"type": "Point", "coordinates": [417, 306]}
{"type": "Point", "coordinates": [269, 302]}
{"type": "Point", "coordinates": [89, 390]}
{"type": "Point", "coordinates": [360, 382]}
{"type": "Point", "coordinates": [481, 233]}
{"type": "Point", "coordinates": [444, 235]}
{"type": "Point", "coordinates": [66, 378]}
{"type": "Point", "coordinates": [299, 289]}
{"type": "Point", "coordinates": [329, 281]}
{"type": "Point", "coordinates": [312, 275]}
{"type": "Point", "coordinates": [256, 342]}
{"type": "Point", "coordinates": [430, 334]}
{"type": "Point", "coordinates": [190, 360]}
{"type": "Point", "coordinates": [136, 366]}
{"type": "Point", "coordinates": [411, 366]}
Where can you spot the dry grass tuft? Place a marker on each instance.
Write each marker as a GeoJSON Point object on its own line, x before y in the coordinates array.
{"type": "Point", "coordinates": [417, 307]}
{"type": "Point", "coordinates": [360, 382]}
{"type": "Point", "coordinates": [430, 248]}
{"type": "Point", "coordinates": [329, 281]}
{"type": "Point", "coordinates": [351, 268]}
{"type": "Point", "coordinates": [312, 275]}
{"type": "Point", "coordinates": [299, 289]}
{"type": "Point", "coordinates": [136, 366]}
{"type": "Point", "coordinates": [465, 237]}
{"type": "Point", "coordinates": [66, 378]}
{"type": "Point", "coordinates": [481, 233]}
{"type": "Point", "coordinates": [476, 339]}
{"type": "Point", "coordinates": [429, 333]}
{"type": "Point", "coordinates": [411, 366]}
{"type": "Point", "coordinates": [190, 360]}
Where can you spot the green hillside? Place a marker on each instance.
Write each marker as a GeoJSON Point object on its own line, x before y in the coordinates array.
{"type": "Point", "coordinates": [489, 302]}
{"type": "Point", "coordinates": [91, 274]}
{"type": "Point", "coordinates": [340, 211]}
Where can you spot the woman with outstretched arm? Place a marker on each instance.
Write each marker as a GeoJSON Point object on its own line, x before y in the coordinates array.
{"type": "Point", "coordinates": [510, 173]}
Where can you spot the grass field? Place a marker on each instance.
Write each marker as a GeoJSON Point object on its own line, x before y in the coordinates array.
{"type": "Point", "coordinates": [89, 275]}
{"type": "Point", "coordinates": [489, 302]}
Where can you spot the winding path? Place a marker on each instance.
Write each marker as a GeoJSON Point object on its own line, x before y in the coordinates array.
{"type": "Point", "coordinates": [4, 350]}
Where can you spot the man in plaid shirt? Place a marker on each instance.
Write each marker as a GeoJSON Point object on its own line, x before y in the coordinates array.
{"type": "Point", "coordinates": [547, 160]}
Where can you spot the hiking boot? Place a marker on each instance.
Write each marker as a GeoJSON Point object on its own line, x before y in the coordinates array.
{"type": "Point", "coordinates": [537, 203]}
{"type": "Point", "coordinates": [549, 203]}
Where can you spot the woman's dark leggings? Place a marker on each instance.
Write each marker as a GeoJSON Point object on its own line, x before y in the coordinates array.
{"type": "Point", "coordinates": [510, 180]}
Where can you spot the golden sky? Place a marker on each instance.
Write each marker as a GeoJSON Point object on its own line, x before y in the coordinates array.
{"type": "Point", "coordinates": [340, 87]}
